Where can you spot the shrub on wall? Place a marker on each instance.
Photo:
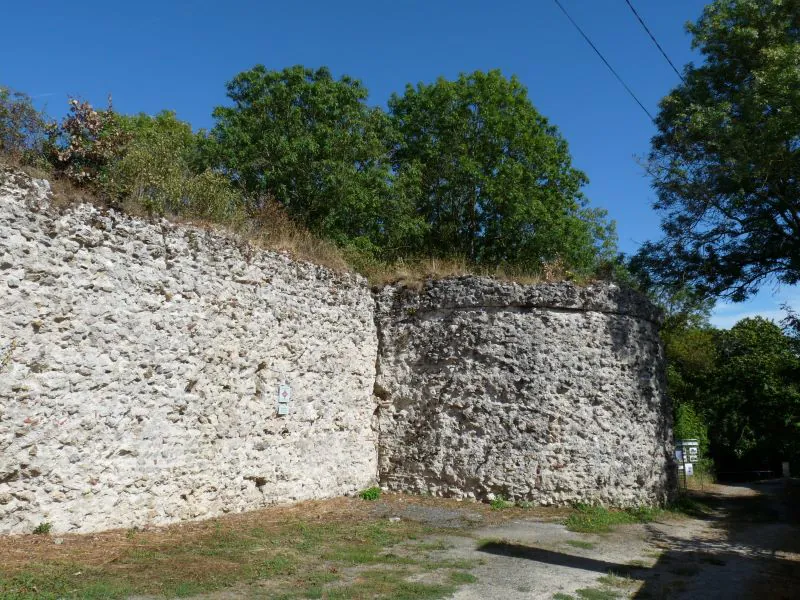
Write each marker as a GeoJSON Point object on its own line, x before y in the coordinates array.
{"type": "Point", "coordinates": [155, 174]}
{"type": "Point", "coordinates": [86, 143]}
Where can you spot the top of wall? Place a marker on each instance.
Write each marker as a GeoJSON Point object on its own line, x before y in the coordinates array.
{"type": "Point", "coordinates": [471, 292]}
{"type": "Point", "coordinates": [27, 204]}
{"type": "Point", "coordinates": [463, 292]}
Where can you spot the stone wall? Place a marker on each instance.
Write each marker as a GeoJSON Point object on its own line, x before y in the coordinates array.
{"type": "Point", "coordinates": [140, 364]}
{"type": "Point", "coordinates": [551, 393]}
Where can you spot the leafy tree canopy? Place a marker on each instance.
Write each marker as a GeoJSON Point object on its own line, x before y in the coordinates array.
{"type": "Point", "coordinates": [491, 177]}
{"type": "Point", "coordinates": [309, 141]}
{"type": "Point", "coordinates": [22, 127]}
{"type": "Point", "coordinates": [758, 393]}
{"type": "Point", "coordinates": [726, 159]}
{"type": "Point", "coordinates": [156, 170]}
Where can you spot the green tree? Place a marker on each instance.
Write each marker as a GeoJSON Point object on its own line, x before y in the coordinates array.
{"type": "Point", "coordinates": [756, 412]}
{"type": "Point", "coordinates": [691, 352]}
{"type": "Point", "coordinates": [310, 142]}
{"type": "Point", "coordinates": [23, 128]}
{"type": "Point", "coordinates": [156, 171]}
{"type": "Point", "coordinates": [491, 177]}
{"type": "Point", "coordinates": [726, 158]}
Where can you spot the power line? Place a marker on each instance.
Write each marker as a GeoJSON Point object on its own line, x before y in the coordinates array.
{"type": "Point", "coordinates": [655, 41]}
{"type": "Point", "coordinates": [610, 68]}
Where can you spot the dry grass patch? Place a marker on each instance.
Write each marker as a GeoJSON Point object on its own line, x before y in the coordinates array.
{"type": "Point", "coordinates": [337, 548]}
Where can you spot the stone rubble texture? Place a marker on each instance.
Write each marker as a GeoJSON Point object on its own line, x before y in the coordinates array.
{"type": "Point", "coordinates": [140, 363]}
{"type": "Point", "coordinates": [552, 393]}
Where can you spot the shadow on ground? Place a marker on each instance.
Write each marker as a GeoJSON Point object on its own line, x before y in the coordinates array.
{"type": "Point", "coordinates": [751, 550]}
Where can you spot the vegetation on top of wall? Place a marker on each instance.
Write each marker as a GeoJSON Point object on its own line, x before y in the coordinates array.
{"type": "Point", "coordinates": [455, 177]}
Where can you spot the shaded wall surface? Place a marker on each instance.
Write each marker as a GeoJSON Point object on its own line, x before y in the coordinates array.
{"type": "Point", "coordinates": [140, 365]}
{"type": "Point", "coordinates": [552, 393]}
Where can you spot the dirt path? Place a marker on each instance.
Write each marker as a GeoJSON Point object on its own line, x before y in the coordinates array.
{"type": "Point", "coordinates": [746, 546]}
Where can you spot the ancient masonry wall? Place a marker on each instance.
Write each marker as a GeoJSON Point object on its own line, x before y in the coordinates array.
{"type": "Point", "coordinates": [551, 393]}
{"type": "Point", "coordinates": [140, 366]}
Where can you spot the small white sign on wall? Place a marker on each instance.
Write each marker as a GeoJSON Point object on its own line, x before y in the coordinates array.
{"type": "Point", "coordinates": [284, 398]}
{"type": "Point", "coordinates": [284, 393]}
{"type": "Point", "coordinates": [688, 469]}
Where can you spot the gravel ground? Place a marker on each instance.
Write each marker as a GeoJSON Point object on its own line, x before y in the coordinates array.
{"type": "Point", "coordinates": [747, 547]}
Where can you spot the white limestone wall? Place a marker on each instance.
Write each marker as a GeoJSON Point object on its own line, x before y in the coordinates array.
{"type": "Point", "coordinates": [140, 364]}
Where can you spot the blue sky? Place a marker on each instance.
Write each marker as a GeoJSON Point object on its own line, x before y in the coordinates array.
{"type": "Point", "coordinates": [179, 54]}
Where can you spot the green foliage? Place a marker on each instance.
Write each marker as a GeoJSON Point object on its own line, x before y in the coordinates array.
{"type": "Point", "coordinates": [310, 142]}
{"type": "Point", "coordinates": [725, 160]}
{"type": "Point", "coordinates": [491, 177]}
{"type": "Point", "coordinates": [156, 172]}
{"type": "Point", "coordinates": [499, 503]}
{"type": "Point", "coordinates": [597, 594]}
{"type": "Point", "coordinates": [690, 425]}
{"type": "Point", "coordinates": [43, 528]}
{"type": "Point", "coordinates": [372, 493]}
{"type": "Point", "coordinates": [757, 408]}
{"type": "Point", "coordinates": [598, 519]}
{"type": "Point", "coordinates": [465, 175]}
{"type": "Point", "coordinates": [23, 128]}
{"type": "Point", "coordinates": [462, 577]}
{"type": "Point", "coordinates": [736, 391]}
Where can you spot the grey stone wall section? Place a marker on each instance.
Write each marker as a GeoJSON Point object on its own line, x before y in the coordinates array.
{"type": "Point", "coordinates": [139, 366]}
{"type": "Point", "coordinates": [552, 393]}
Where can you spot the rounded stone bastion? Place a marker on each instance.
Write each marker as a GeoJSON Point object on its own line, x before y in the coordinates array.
{"type": "Point", "coordinates": [552, 393]}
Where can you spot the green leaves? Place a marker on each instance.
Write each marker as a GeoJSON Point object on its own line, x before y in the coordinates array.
{"type": "Point", "coordinates": [462, 172]}
{"type": "Point", "coordinates": [737, 390]}
{"type": "Point", "coordinates": [491, 177]}
{"type": "Point", "coordinates": [463, 169]}
{"type": "Point", "coordinates": [310, 142]}
{"type": "Point", "coordinates": [725, 160]}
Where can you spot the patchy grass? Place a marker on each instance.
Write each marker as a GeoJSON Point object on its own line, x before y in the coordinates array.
{"type": "Point", "coordinates": [562, 596]}
{"type": "Point", "coordinates": [462, 577]}
{"type": "Point", "coordinates": [389, 585]}
{"type": "Point", "coordinates": [500, 503]}
{"type": "Point", "coordinates": [638, 564]}
{"type": "Point", "coordinates": [597, 594]}
{"type": "Point", "coordinates": [586, 518]}
{"type": "Point", "coordinates": [372, 493]}
{"type": "Point", "coordinates": [599, 519]}
{"type": "Point", "coordinates": [333, 549]}
{"type": "Point", "coordinates": [580, 544]}
{"type": "Point", "coordinates": [434, 546]}
{"type": "Point", "coordinates": [616, 581]}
